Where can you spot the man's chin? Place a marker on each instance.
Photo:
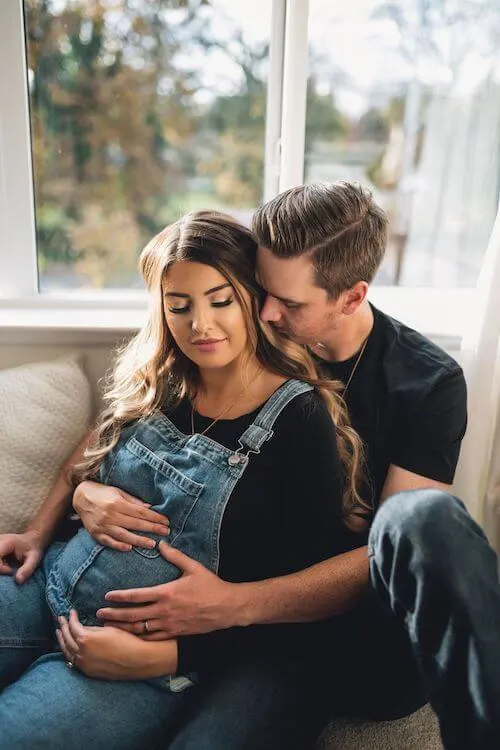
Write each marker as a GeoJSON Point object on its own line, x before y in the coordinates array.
{"type": "Point", "coordinates": [284, 333]}
{"type": "Point", "coordinates": [291, 336]}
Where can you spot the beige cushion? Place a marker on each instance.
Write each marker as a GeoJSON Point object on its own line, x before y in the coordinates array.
{"type": "Point", "coordinates": [420, 731]}
{"type": "Point", "coordinates": [45, 409]}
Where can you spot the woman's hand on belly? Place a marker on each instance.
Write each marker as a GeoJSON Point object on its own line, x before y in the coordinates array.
{"type": "Point", "coordinates": [111, 516]}
{"type": "Point", "coordinates": [108, 653]}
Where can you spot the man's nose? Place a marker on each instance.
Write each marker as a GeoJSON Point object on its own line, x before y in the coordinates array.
{"type": "Point", "coordinates": [270, 311]}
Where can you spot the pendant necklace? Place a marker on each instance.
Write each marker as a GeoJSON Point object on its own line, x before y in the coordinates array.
{"type": "Point", "coordinates": [227, 408]}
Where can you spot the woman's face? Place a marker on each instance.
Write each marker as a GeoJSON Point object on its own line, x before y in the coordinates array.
{"type": "Point", "coordinates": [203, 314]}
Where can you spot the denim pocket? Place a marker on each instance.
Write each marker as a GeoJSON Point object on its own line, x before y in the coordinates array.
{"type": "Point", "coordinates": [181, 481]}
{"type": "Point", "coordinates": [171, 492]}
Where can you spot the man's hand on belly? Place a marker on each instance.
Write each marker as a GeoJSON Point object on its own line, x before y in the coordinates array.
{"type": "Point", "coordinates": [197, 602]}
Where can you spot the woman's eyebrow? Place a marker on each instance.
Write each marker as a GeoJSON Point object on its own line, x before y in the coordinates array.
{"type": "Point", "coordinates": [209, 291]}
{"type": "Point", "coordinates": [217, 288]}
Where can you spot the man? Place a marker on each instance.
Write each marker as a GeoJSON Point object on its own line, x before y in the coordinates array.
{"type": "Point", "coordinates": [415, 606]}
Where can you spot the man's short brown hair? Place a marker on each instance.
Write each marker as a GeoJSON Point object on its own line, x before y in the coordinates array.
{"type": "Point", "coordinates": [337, 223]}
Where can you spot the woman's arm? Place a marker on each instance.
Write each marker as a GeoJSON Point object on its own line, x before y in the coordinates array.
{"type": "Point", "coordinates": [43, 525]}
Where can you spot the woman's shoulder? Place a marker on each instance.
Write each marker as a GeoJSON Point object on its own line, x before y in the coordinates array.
{"type": "Point", "coordinates": [306, 411]}
{"type": "Point", "coordinates": [304, 435]}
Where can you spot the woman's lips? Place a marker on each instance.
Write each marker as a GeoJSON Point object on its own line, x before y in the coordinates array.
{"type": "Point", "coordinates": [208, 345]}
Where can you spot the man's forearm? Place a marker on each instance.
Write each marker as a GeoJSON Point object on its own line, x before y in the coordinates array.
{"type": "Point", "coordinates": [323, 590]}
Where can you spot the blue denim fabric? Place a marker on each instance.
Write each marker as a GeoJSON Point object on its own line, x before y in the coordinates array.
{"type": "Point", "coordinates": [26, 624]}
{"type": "Point", "coordinates": [190, 479]}
{"type": "Point", "coordinates": [51, 707]}
{"type": "Point", "coordinates": [432, 566]}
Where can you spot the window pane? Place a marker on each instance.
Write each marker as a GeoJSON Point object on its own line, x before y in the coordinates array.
{"type": "Point", "coordinates": [406, 97]}
{"type": "Point", "coordinates": [140, 111]}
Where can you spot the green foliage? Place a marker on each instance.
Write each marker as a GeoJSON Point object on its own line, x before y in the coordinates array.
{"type": "Point", "coordinates": [324, 121]}
{"type": "Point", "coordinates": [122, 142]}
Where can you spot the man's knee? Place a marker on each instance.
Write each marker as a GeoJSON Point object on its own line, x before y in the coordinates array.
{"type": "Point", "coordinates": [426, 517]}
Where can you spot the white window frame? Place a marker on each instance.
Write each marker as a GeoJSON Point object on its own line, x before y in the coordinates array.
{"type": "Point", "coordinates": [18, 263]}
{"type": "Point", "coordinates": [440, 313]}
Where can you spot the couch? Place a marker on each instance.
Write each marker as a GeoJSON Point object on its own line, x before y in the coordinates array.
{"type": "Point", "coordinates": [419, 731]}
{"type": "Point", "coordinates": [44, 410]}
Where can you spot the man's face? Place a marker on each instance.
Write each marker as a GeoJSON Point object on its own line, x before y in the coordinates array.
{"type": "Point", "coordinates": [293, 304]}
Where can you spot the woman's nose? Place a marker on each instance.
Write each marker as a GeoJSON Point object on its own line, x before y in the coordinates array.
{"type": "Point", "coordinates": [201, 320]}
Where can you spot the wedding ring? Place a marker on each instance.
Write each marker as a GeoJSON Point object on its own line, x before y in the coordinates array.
{"type": "Point", "coordinates": [145, 627]}
{"type": "Point", "coordinates": [70, 664]}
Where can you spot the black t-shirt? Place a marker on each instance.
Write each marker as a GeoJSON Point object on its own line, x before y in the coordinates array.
{"type": "Point", "coordinates": [297, 474]}
{"type": "Point", "coordinates": [284, 514]}
{"type": "Point", "coordinates": [407, 401]}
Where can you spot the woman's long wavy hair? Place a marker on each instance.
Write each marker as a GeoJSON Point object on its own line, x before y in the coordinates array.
{"type": "Point", "coordinates": [152, 373]}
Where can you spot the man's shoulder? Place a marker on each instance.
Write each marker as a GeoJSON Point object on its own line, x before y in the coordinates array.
{"type": "Point", "coordinates": [410, 360]}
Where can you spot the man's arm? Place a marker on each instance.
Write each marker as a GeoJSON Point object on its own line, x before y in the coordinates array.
{"type": "Point", "coordinates": [326, 589]}
{"type": "Point", "coordinates": [200, 602]}
{"type": "Point", "coordinates": [402, 480]}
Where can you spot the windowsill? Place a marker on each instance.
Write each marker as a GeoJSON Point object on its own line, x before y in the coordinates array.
{"type": "Point", "coordinates": [440, 314]}
{"type": "Point", "coordinates": [106, 311]}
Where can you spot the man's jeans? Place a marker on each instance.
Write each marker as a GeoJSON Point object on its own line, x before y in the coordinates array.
{"type": "Point", "coordinates": [429, 629]}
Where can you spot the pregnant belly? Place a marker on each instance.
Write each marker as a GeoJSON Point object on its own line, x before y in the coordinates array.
{"type": "Point", "coordinates": [85, 571]}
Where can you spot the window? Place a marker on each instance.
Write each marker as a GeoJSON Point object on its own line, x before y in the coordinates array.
{"type": "Point", "coordinates": [406, 97]}
{"type": "Point", "coordinates": [139, 112]}
{"type": "Point", "coordinates": [120, 115]}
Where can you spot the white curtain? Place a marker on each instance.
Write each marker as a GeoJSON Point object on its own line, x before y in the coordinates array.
{"type": "Point", "coordinates": [455, 188]}
{"type": "Point", "coordinates": [478, 476]}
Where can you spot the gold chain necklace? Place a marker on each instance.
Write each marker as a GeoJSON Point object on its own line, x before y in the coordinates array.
{"type": "Point", "coordinates": [227, 408]}
{"type": "Point", "coordinates": [358, 360]}
{"type": "Point", "coordinates": [355, 367]}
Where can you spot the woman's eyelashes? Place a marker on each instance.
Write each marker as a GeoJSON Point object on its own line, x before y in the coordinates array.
{"type": "Point", "coordinates": [186, 308]}
{"type": "Point", "coordinates": [223, 303]}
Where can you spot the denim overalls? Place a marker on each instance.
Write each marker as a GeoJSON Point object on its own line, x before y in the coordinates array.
{"type": "Point", "coordinates": [188, 478]}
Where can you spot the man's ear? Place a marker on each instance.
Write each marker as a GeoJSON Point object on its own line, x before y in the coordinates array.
{"type": "Point", "coordinates": [354, 297]}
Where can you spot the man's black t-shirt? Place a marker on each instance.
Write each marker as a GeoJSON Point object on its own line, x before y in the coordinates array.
{"type": "Point", "coordinates": [407, 401]}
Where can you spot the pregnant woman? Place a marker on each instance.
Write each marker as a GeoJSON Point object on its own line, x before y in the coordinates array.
{"type": "Point", "coordinates": [225, 430]}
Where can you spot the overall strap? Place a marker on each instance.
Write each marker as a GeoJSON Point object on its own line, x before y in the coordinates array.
{"type": "Point", "coordinates": [261, 428]}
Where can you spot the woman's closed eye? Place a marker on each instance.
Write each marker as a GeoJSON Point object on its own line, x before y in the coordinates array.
{"type": "Point", "coordinates": [223, 302]}
{"type": "Point", "coordinates": [215, 303]}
